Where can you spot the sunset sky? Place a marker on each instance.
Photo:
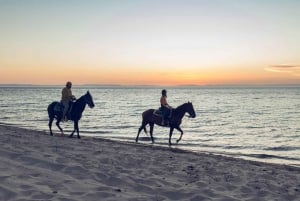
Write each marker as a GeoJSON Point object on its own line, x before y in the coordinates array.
{"type": "Point", "coordinates": [150, 42]}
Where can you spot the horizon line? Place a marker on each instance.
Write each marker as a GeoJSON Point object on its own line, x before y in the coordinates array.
{"type": "Point", "coordinates": [152, 85]}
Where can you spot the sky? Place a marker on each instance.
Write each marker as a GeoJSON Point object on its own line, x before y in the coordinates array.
{"type": "Point", "coordinates": [150, 42]}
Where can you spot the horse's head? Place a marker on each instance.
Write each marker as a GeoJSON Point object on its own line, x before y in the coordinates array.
{"type": "Point", "coordinates": [89, 99]}
{"type": "Point", "coordinates": [190, 110]}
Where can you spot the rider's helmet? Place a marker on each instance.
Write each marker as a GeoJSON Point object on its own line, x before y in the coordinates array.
{"type": "Point", "coordinates": [164, 92]}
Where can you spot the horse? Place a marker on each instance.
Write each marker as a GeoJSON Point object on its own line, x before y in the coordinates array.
{"type": "Point", "coordinates": [149, 117]}
{"type": "Point", "coordinates": [55, 111]}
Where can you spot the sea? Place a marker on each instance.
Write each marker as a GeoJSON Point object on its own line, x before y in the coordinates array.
{"type": "Point", "coordinates": [254, 123]}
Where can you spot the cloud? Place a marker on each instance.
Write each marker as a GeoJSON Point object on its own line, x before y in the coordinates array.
{"type": "Point", "coordinates": [283, 68]}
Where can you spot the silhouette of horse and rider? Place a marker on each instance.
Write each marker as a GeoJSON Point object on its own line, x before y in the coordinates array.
{"type": "Point", "coordinates": [71, 109]}
{"type": "Point", "coordinates": [169, 117]}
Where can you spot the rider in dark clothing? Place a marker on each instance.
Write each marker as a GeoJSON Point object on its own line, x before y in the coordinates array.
{"type": "Point", "coordinates": [165, 107]}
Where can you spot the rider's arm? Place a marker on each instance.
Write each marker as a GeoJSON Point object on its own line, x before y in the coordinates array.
{"type": "Point", "coordinates": [71, 96]}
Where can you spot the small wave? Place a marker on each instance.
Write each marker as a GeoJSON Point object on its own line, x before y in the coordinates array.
{"type": "Point", "coordinates": [234, 147]}
{"type": "Point", "coordinates": [36, 120]}
{"type": "Point", "coordinates": [209, 145]}
{"type": "Point", "coordinates": [8, 124]}
{"type": "Point", "coordinates": [282, 148]}
{"type": "Point", "coordinates": [254, 127]}
{"type": "Point", "coordinates": [4, 118]}
{"type": "Point", "coordinates": [269, 156]}
{"type": "Point", "coordinates": [118, 127]}
{"type": "Point", "coordinates": [95, 132]}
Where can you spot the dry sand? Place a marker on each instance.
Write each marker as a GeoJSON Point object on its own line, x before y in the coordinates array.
{"type": "Point", "coordinates": [37, 166]}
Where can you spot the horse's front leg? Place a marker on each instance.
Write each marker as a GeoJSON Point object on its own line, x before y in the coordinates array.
{"type": "Point", "coordinates": [139, 131]}
{"type": "Point", "coordinates": [170, 135]}
{"type": "Point", "coordinates": [151, 131]}
{"type": "Point", "coordinates": [180, 130]}
{"type": "Point", "coordinates": [72, 133]}
{"type": "Point", "coordinates": [73, 130]}
{"type": "Point", "coordinates": [76, 127]}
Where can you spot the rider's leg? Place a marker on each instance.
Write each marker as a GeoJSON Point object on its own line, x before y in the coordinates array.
{"type": "Point", "coordinates": [66, 107]}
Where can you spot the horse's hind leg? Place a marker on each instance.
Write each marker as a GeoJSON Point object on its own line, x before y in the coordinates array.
{"type": "Point", "coordinates": [143, 126]}
{"type": "Point", "coordinates": [58, 126]}
{"type": "Point", "coordinates": [151, 131]}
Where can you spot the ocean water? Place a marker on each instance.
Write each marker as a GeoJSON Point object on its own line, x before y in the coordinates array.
{"type": "Point", "coordinates": [256, 123]}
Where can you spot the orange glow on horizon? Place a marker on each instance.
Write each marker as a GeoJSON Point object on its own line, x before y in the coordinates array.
{"type": "Point", "coordinates": [134, 76]}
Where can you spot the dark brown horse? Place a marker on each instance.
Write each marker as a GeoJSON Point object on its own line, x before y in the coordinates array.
{"type": "Point", "coordinates": [55, 111]}
{"type": "Point", "coordinates": [177, 114]}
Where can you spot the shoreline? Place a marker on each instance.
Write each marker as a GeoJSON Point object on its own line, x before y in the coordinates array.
{"type": "Point", "coordinates": [35, 165]}
{"type": "Point", "coordinates": [259, 157]}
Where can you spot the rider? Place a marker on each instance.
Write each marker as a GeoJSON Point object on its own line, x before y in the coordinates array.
{"type": "Point", "coordinates": [165, 107]}
{"type": "Point", "coordinates": [67, 98]}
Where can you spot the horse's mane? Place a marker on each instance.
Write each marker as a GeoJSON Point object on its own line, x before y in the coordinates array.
{"type": "Point", "coordinates": [181, 106]}
{"type": "Point", "coordinates": [80, 99]}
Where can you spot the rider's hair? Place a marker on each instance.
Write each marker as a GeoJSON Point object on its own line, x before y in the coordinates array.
{"type": "Point", "coordinates": [69, 83]}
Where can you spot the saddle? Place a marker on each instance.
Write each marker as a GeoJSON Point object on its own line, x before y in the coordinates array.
{"type": "Point", "coordinates": [158, 112]}
{"type": "Point", "coordinates": [59, 107]}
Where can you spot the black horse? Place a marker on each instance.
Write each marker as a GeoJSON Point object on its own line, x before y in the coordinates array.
{"type": "Point", "coordinates": [55, 111]}
{"type": "Point", "coordinates": [177, 114]}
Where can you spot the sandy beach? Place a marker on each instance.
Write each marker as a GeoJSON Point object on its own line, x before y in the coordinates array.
{"type": "Point", "coordinates": [37, 166]}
